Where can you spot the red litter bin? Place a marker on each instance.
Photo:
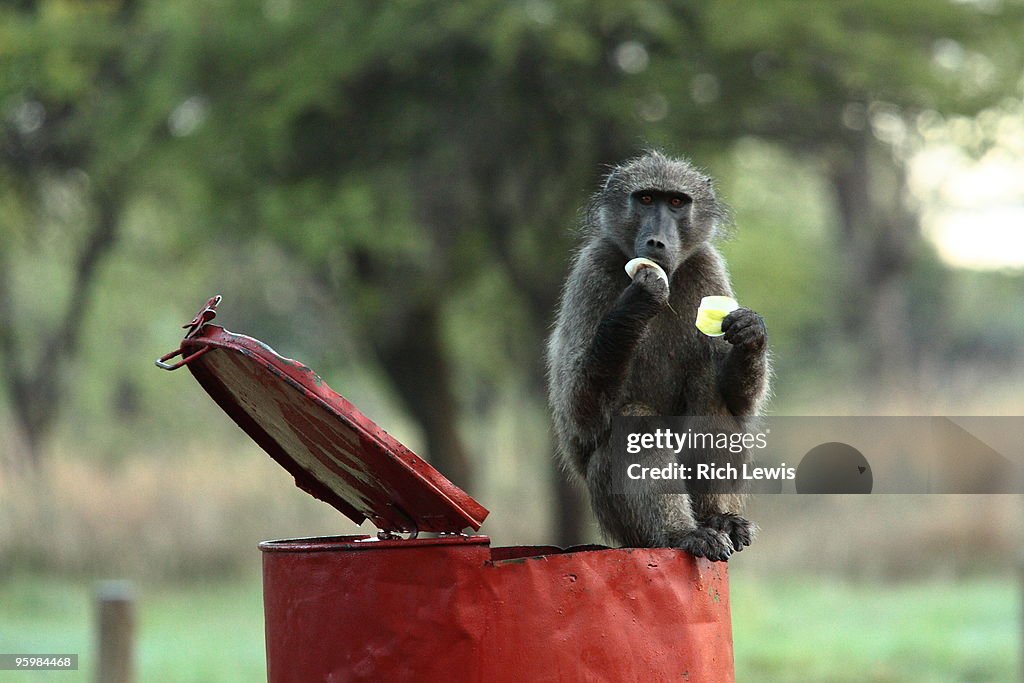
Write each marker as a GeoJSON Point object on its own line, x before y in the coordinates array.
{"type": "Point", "coordinates": [449, 608]}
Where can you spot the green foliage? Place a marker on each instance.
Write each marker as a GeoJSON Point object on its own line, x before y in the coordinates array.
{"type": "Point", "coordinates": [782, 260]}
{"type": "Point", "coordinates": [482, 125]}
{"type": "Point", "coordinates": [332, 168]}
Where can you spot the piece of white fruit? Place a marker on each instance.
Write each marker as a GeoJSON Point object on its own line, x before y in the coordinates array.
{"type": "Point", "coordinates": [633, 267]}
{"type": "Point", "coordinates": [712, 312]}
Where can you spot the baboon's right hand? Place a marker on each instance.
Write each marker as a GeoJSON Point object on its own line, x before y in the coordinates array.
{"type": "Point", "coordinates": [651, 282]}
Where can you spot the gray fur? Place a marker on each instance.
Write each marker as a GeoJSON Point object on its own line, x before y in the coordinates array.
{"type": "Point", "coordinates": [622, 347]}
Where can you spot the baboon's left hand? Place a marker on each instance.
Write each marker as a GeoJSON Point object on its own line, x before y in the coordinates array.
{"type": "Point", "coordinates": [745, 329]}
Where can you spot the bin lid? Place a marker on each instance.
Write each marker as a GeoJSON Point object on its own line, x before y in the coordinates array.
{"type": "Point", "coordinates": [335, 453]}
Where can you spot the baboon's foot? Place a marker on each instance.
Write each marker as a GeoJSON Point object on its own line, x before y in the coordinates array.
{"type": "Point", "coordinates": [739, 530]}
{"type": "Point", "coordinates": [706, 542]}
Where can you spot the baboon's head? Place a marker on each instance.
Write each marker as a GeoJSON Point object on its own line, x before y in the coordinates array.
{"type": "Point", "coordinates": [656, 207]}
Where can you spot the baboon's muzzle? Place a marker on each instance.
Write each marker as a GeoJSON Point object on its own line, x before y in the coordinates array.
{"type": "Point", "coordinates": [658, 240]}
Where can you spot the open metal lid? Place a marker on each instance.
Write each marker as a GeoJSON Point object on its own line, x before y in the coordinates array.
{"type": "Point", "coordinates": [335, 453]}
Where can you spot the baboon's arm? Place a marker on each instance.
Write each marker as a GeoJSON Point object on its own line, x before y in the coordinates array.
{"type": "Point", "coordinates": [743, 377]}
{"type": "Point", "coordinates": [603, 367]}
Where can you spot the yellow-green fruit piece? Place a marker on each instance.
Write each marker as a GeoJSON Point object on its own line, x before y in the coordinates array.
{"type": "Point", "coordinates": [712, 312]}
{"type": "Point", "coordinates": [633, 267]}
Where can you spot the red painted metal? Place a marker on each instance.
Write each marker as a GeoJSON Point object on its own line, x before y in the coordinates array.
{"type": "Point", "coordinates": [335, 453]}
{"type": "Point", "coordinates": [452, 608]}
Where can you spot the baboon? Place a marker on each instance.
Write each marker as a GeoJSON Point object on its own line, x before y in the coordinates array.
{"type": "Point", "coordinates": [622, 347]}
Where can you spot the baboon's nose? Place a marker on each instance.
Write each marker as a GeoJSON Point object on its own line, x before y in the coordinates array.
{"type": "Point", "coordinates": [655, 244]}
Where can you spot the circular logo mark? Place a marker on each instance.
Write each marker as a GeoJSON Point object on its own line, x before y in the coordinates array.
{"type": "Point", "coordinates": [834, 468]}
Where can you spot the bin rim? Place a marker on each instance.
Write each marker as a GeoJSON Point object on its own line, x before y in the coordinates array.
{"type": "Point", "coordinates": [348, 543]}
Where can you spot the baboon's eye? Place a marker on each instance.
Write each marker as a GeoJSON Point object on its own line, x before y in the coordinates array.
{"type": "Point", "coordinates": [676, 201]}
{"type": "Point", "coordinates": [646, 199]}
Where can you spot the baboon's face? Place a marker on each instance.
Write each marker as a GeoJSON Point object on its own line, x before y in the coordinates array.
{"type": "Point", "coordinates": [658, 208]}
{"type": "Point", "coordinates": [662, 221]}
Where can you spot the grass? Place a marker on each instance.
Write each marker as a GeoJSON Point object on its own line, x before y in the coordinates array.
{"type": "Point", "coordinates": [825, 630]}
{"type": "Point", "coordinates": [785, 630]}
{"type": "Point", "coordinates": [194, 633]}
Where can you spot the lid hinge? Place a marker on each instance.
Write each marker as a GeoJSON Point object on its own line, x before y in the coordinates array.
{"type": "Point", "coordinates": [207, 313]}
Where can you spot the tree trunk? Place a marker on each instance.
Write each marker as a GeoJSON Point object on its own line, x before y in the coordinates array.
{"type": "Point", "coordinates": [876, 240]}
{"type": "Point", "coordinates": [570, 513]}
{"type": "Point", "coordinates": [540, 296]}
{"type": "Point", "coordinates": [413, 355]}
{"type": "Point", "coordinates": [35, 386]}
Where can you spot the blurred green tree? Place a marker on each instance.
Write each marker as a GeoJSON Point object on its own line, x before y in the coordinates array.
{"type": "Point", "coordinates": [410, 153]}
{"type": "Point", "coordinates": [849, 84]}
{"type": "Point", "coordinates": [410, 149]}
{"type": "Point", "coordinates": [78, 123]}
